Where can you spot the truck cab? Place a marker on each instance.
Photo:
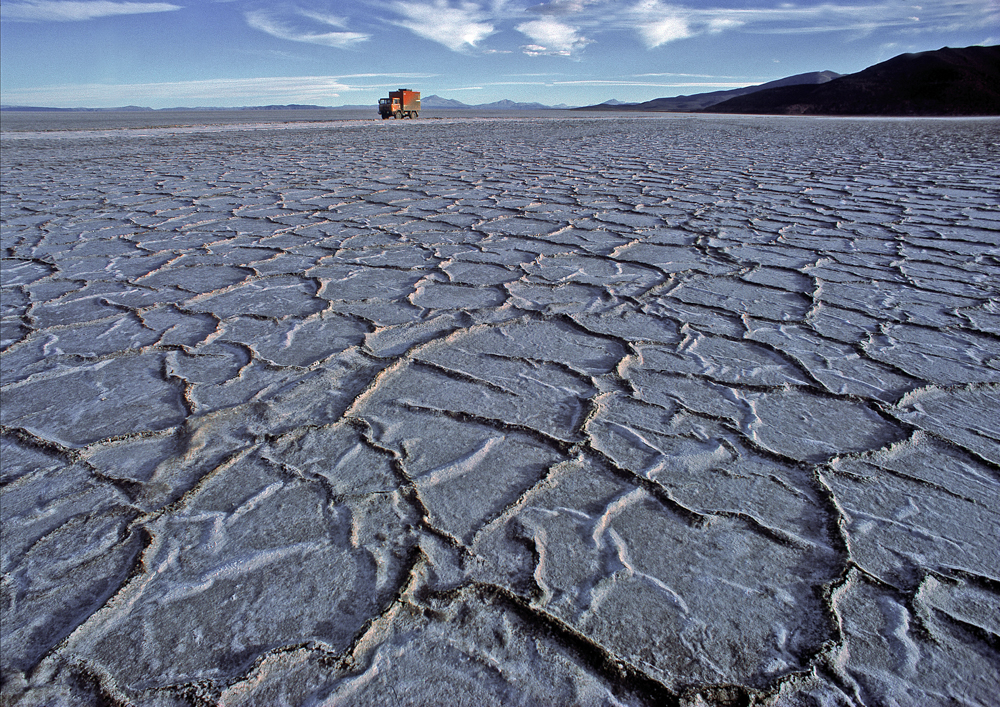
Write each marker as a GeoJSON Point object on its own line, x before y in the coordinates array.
{"type": "Point", "coordinates": [403, 103]}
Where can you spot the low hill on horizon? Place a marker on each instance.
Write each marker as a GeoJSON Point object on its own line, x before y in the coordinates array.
{"type": "Point", "coordinates": [945, 82]}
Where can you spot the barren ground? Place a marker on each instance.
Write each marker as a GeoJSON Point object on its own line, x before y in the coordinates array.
{"type": "Point", "coordinates": [567, 411]}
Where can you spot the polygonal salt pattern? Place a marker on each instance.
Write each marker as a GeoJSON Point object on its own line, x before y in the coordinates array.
{"type": "Point", "coordinates": [586, 411]}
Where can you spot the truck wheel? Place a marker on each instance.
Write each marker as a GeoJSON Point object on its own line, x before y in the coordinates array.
{"type": "Point", "coordinates": [414, 114]}
{"type": "Point", "coordinates": [398, 115]}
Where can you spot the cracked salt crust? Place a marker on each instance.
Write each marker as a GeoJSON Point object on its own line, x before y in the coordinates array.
{"type": "Point", "coordinates": [652, 411]}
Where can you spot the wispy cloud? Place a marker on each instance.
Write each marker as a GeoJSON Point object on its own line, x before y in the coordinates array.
{"type": "Point", "coordinates": [458, 27]}
{"type": "Point", "coordinates": [688, 76]}
{"type": "Point", "coordinates": [560, 7]}
{"type": "Point", "coordinates": [714, 82]}
{"type": "Point", "coordinates": [270, 23]}
{"type": "Point", "coordinates": [213, 92]}
{"type": "Point", "coordinates": [332, 20]}
{"type": "Point", "coordinates": [658, 22]}
{"type": "Point", "coordinates": [69, 11]}
{"type": "Point", "coordinates": [563, 27]}
{"type": "Point", "coordinates": [653, 84]}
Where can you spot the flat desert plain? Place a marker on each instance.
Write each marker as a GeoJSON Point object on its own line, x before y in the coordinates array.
{"type": "Point", "coordinates": [535, 411]}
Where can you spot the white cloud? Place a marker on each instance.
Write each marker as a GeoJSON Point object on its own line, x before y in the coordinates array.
{"type": "Point", "coordinates": [457, 28]}
{"type": "Point", "coordinates": [658, 24]}
{"type": "Point", "coordinates": [268, 22]}
{"type": "Point", "coordinates": [666, 29]}
{"type": "Point", "coordinates": [551, 37]}
{"type": "Point", "coordinates": [69, 11]}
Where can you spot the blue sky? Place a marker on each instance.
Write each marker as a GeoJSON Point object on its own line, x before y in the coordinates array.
{"type": "Point", "coordinates": [102, 53]}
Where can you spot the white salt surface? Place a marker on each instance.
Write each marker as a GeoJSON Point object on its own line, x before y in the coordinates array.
{"type": "Point", "coordinates": [566, 411]}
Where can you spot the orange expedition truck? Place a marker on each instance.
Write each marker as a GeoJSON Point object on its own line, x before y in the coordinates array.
{"type": "Point", "coordinates": [403, 103]}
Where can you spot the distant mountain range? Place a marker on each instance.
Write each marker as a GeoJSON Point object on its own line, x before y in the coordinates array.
{"type": "Point", "coordinates": [701, 101]}
{"type": "Point", "coordinates": [946, 82]}
{"type": "Point", "coordinates": [431, 102]}
{"type": "Point", "coordinates": [434, 102]}
{"type": "Point", "coordinates": [142, 109]}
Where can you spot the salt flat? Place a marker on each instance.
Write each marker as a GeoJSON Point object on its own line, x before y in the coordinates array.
{"type": "Point", "coordinates": [679, 410]}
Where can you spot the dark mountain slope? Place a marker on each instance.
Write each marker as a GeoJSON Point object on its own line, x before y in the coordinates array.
{"type": "Point", "coordinates": [699, 101]}
{"type": "Point", "coordinates": [946, 82]}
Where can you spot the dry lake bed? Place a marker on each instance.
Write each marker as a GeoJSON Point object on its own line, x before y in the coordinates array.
{"type": "Point", "coordinates": [533, 411]}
